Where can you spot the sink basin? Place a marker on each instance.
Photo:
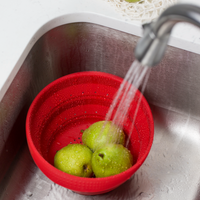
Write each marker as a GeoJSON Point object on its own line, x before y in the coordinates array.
{"type": "Point", "coordinates": [171, 171]}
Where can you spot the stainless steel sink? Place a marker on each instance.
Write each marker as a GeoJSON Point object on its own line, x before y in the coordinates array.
{"type": "Point", "coordinates": [172, 169]}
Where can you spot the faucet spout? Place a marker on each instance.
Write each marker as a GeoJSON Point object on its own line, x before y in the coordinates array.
{"type": "Point", "coordinates": [151, 47]}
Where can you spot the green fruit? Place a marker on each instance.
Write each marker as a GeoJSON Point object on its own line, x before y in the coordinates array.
{"type": "Point", "coordinates": [74, 159]}
{"type": "Point", "coordinates": [101, 133]}
{"type": "Point", "coordinates": [132, 1]}
{"type": "Point", "coordinates": [111, 160]}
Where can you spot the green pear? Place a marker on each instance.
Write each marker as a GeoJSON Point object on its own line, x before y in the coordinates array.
{"type": "Point", "coordinates": [111, 160]}
{"type": "Point", "coordinates": [74, 159]}
{"type": "Point", "coordinates": [132, 1]}
{"type": "Point", "coordinates": [101, 133]}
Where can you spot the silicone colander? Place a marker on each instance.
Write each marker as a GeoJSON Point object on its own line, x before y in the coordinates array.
{"type": "Point", "coordinates": [71, 104]}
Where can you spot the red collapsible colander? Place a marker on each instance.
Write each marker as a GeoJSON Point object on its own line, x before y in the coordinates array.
{"type": "Point", "coordinates": [71, 104]}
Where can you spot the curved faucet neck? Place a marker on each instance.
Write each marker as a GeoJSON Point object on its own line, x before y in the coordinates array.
{"type": "Point", "coordinates": [151, 48]}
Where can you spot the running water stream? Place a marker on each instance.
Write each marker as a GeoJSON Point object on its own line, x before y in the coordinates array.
{"type": "Point", "coordinates": [136, 76]}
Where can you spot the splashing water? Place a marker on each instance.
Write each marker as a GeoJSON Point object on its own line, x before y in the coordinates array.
{"type": "Point", "coordinates": [135, 76]}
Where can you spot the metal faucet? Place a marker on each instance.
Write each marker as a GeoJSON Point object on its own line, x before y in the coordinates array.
{"type": "Point", "coordinates": [151, 47]}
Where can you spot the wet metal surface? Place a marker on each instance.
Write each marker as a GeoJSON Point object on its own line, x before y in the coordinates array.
{"type": "Point", "coordinates": [171, 170]}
